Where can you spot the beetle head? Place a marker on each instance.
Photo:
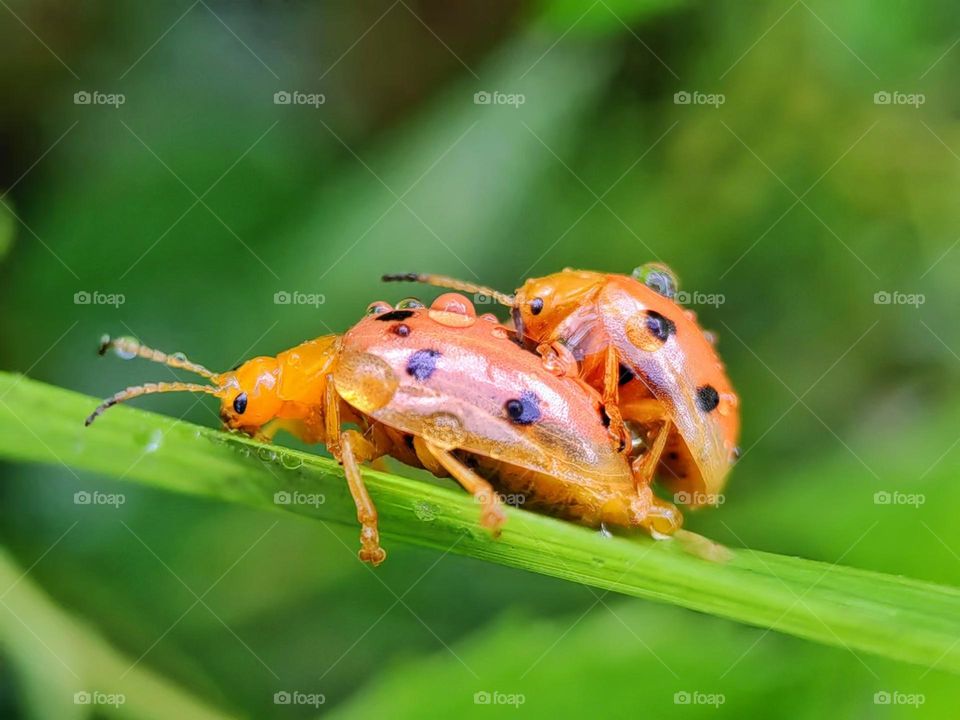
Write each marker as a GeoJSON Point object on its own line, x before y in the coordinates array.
{"type": "Point", "coordinates": [248, 394]}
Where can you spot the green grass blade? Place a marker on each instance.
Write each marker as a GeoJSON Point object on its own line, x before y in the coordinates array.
{"type": "Point", "coordinates": [890, 616]}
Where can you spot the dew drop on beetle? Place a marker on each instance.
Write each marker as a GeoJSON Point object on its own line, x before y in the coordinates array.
{"type": "Point", "coordinates": [659, 278]}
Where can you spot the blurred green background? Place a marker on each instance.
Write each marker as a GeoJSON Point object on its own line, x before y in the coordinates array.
{"type": "Point", "coordinates": [795, 163]}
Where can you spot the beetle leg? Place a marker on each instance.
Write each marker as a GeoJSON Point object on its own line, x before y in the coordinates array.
{"type": "Point", "coordinates": [331, 417]}
{"type": "Point", "coordinates": [611, 399]}
{"type": "Point", "coordinates": [559, 360]}
{"type": "Point", "coordinates": [355, 449]}
{"type": "Point", "coordinates": [492, 515]}
{"type": "Point", "coordinates": [660, 516]}
{"type": "Point", "coordinates": [645, 465]}
{"type": "Point", "coordinates": [350, 448]}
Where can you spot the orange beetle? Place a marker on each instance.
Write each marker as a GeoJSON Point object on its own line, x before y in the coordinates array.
{"type": "Point", "coordinates": [441, 389]}
{"type": "Point", "coordinates": [656, 369]}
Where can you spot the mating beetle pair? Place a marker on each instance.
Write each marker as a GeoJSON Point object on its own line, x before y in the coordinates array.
{"type": "Point", "coordinates": [625, 387]}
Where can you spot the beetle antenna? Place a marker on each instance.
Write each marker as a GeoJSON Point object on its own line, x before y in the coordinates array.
{"type": "Point", "coordinates": [148, 389]}
{"type": "Point", "coordinates": [130, 347]}
{"type": "Point", "coordinates": [451, 284]}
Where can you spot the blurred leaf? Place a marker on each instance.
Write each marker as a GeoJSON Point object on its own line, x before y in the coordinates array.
{"type": "Point", "coordinates": [58, 656]}
{"type": "Point", "coordinates": [660, 661]}
{"type": "Point", "coordinates": [606, 16]}
{"type": "Point", "coordinates": [890, 616]}
{"type": "Point", "coordinates": [7, 222]}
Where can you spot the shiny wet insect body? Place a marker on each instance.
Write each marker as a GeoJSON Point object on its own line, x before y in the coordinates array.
{"type": "Point", "coordinates": [442, 389]}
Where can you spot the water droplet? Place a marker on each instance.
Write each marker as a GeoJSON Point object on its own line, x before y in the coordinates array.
{"type": "Point", "coordinates": [122, 348]}
{"type": "Point", "coordinates": [179, 356]}
{"type": "Point", "coordinates": [424, 511]}
{"type": "Point", "coordinates": [659, 278]}
{"type": "Point", "coordinates": [266, 454]}
{"type": "Point", "coordinates": [291, 462]}
{"type": "Point", "coordinates": [154, 441]}
{"type": "Point", "coordinates": [452, 319]}
{"type": "Point", "coordinates": [410, 303]}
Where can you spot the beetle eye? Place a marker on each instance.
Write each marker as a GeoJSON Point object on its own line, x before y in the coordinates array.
{"type": "Point", "coordinates": [410, 303]}
{"type": "Point", "coordinates": [536, 306]}
{"type": "Point", "coordinates": [240, 403]}
{"type": "Point", "coordinates": [378, 308]}
{"type": "Point", "coordinates": [659, 278]}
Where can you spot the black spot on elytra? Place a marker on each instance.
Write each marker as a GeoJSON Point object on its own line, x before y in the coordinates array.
{"type": "Point", "coordinates": [673, 455]}
{"type": "Point", "coordinates": [626, 375]}
{"type": "Point", "coordinates": [394, 315]}
{"type": "Point", "coordinates": [422, 364]}
{"type": "Point", "coordinates": [659, 326]}
{"type": "Point", "coordinates": [401, 330]}
{"type": "Point", "coordinates": [524, 410]}
{"type": "Point", "coordinates": [707, 398]}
